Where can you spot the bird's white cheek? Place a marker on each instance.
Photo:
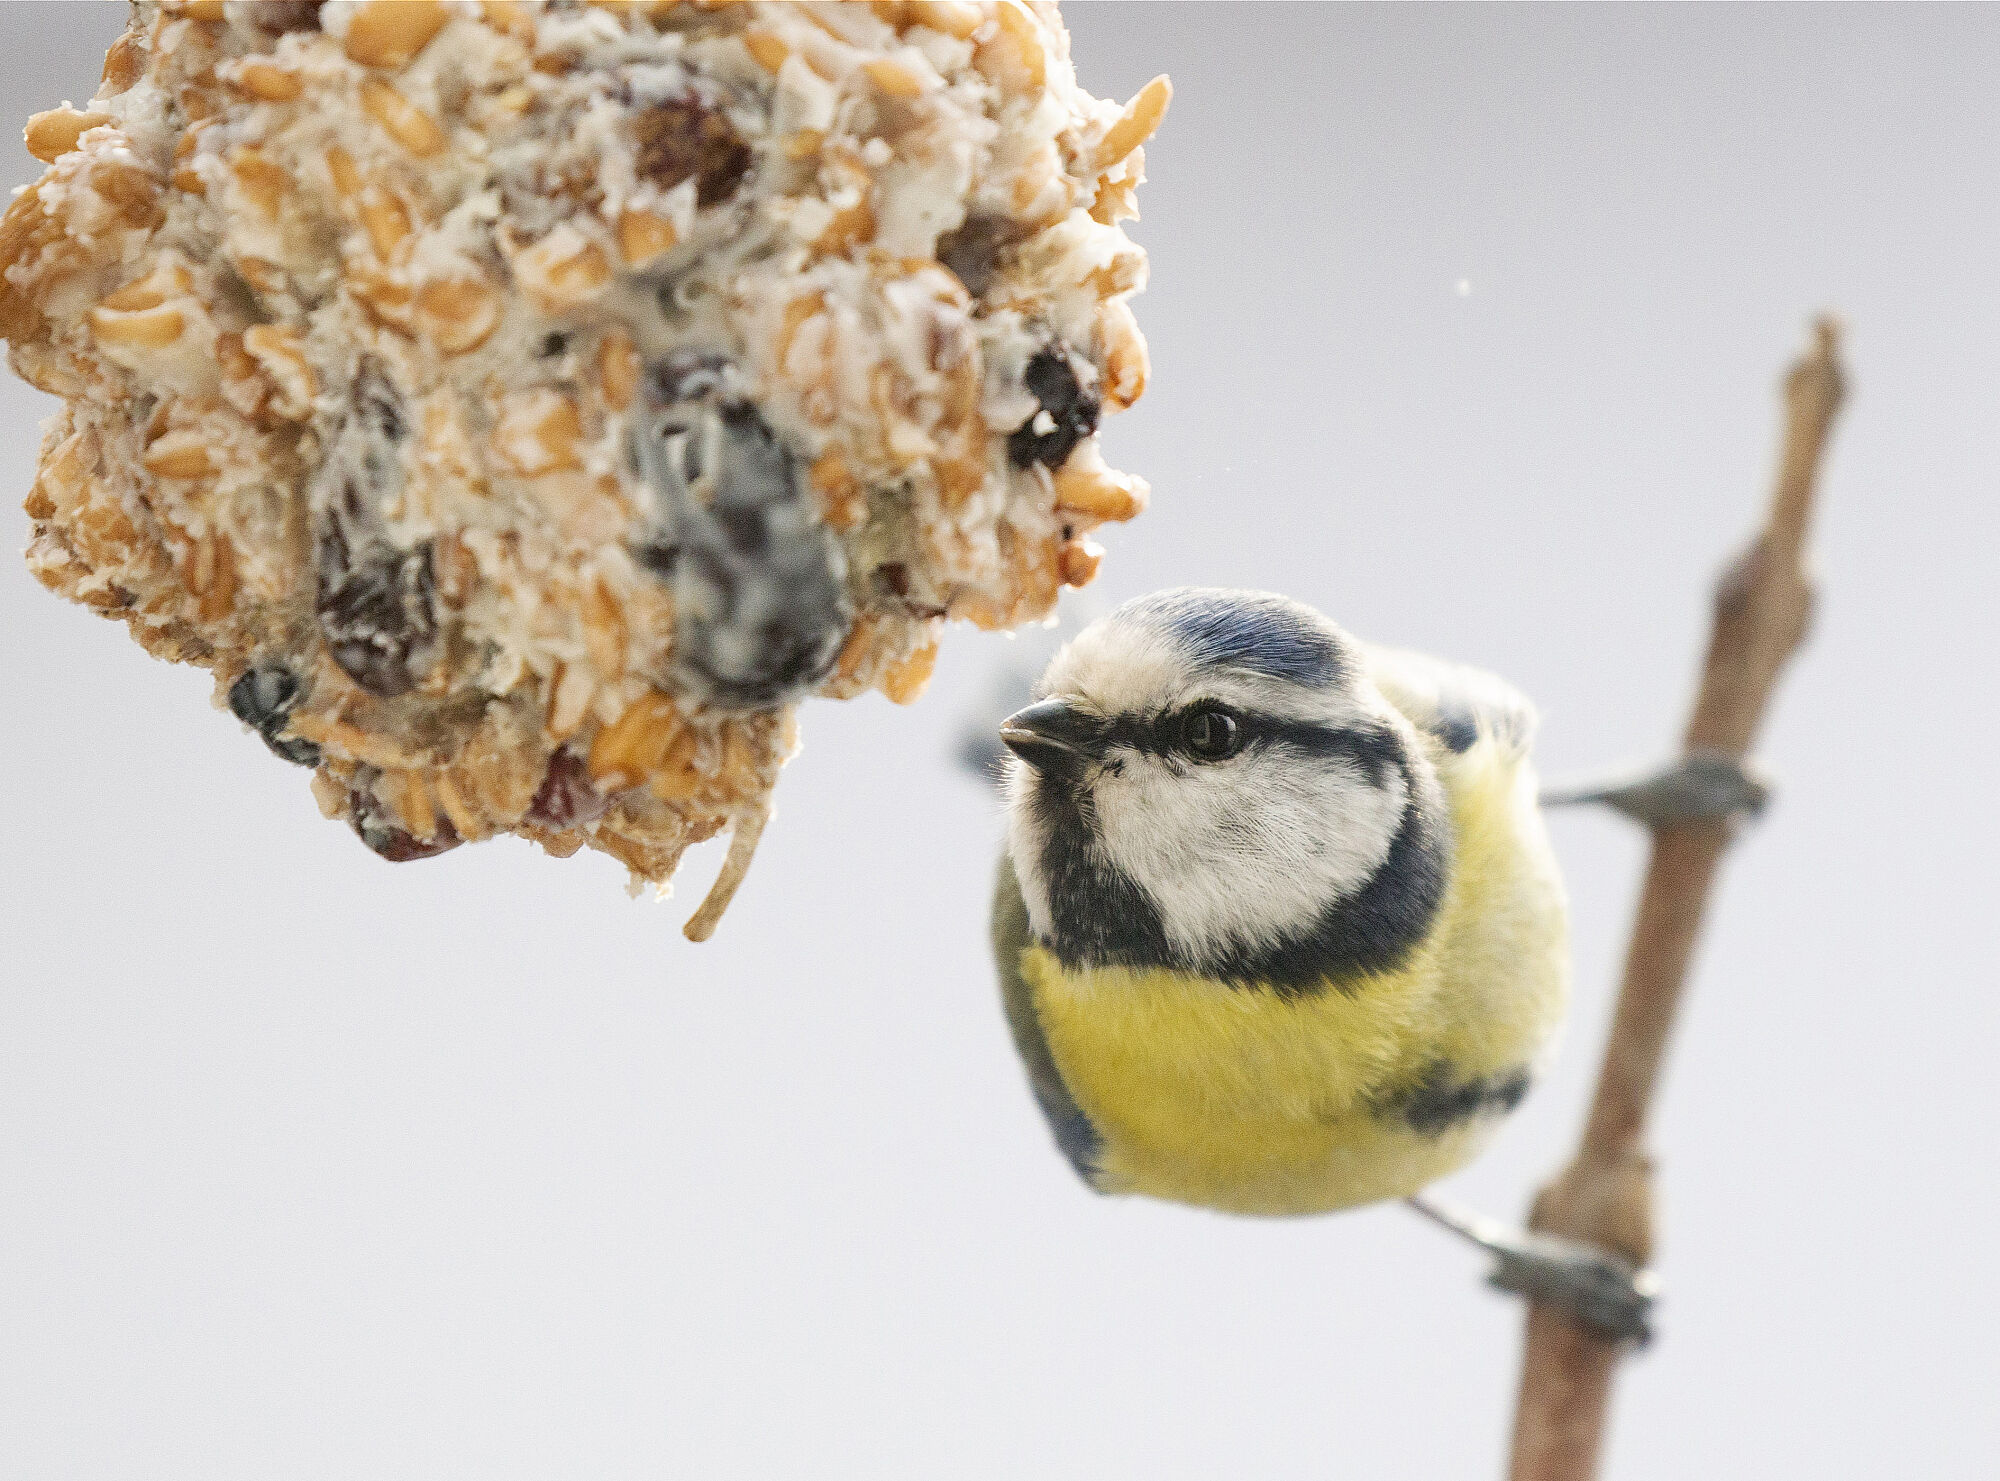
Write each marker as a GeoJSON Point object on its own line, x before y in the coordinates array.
{"type": "Point", "coordinates": [1246, 855]}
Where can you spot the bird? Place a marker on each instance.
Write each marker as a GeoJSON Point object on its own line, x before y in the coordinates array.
{"type": "Point", "coordinates": [1278, 927]}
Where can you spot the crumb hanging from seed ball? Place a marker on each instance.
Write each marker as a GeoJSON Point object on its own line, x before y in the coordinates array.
{"type": "Point", "coordinates": [522, 407]}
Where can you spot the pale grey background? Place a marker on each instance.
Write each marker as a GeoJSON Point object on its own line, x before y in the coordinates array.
{"type": "Point", "coordinates": [314, 1167]}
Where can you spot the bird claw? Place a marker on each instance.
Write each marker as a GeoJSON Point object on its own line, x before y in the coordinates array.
{"type": "Point", "coordinates": [1701, 786]}
{"type": "Point", "coordinates": [1594, 1287]}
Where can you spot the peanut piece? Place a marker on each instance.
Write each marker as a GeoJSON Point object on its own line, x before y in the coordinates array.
{"type": "Point", "coordinates": [1117, 200]}
{"type": "Point", "coordinates": [905, 680]}
{"type": "Point", "coordinates": [851, 225]}
{"type": "Point", "coordinates": [341, 169]}
{"type": "Point", "coordinates": [509, 17]}
{"type": "Point", "coordinates": [1085, 486]}
{"type": "Point", "coordinates": [166, 280]}
{"type": "Point", "coordinates": [603, 631]}
{"type": "Point", "coordinates": [1124, 273]}
{"type": "Point", "coordinates": [1040, 189]}
{"type": "Point", "coordinates": [767, 48]}
{"type": "Point", "coordinates": [263, 183]}
{"type": "Point", "coordinates": [1015, 54]}
{"type": "Point", "coordinates": [210, 573]}
{"type": "Point", "coordinates": [122, 65]}
{"type": "Point", "coordinates": [257, 77]}
{"type": "Point", "coordinates": [457, 314]}
{"type": "Point", "coordinates": [265, 277]}
{"type": "Point", "coordinates": [131, 188]}
{"type": "Point", "coordinates": [1123, 351]}
{"type": "Point", "coordinates": [642, 236]}
{"type": "Point", "coordinates": [401, 119]}
{"type": "Point", "coordinates": [955, 18]}
{"type": "Point", "coordinates": [280, 354]}
{"type": "Point", "coordinates": [858, 649]}
{"type": "Point", "coordinates": [637, 741]}
{"type": "Point", "coordinates": [795, 315]}
{"type": "Point", "coordinates": [385, 219]}
{"type": "Point", "coordinates": [178, 454]}
{"type": "Point", "coordinates": [383, 297]}
{"type": "Point", "coordinates": [53, 134]}
{"type": "Point", "coordinates": [185, 176]}
{"type": "Point", "coordinates": [139, 328]}
{"type": "Point", "coordinates": [959, 476]}
{"type": "Point", "coordinates": [841, 502]}
{"type": "Point", "coordinates": [563, 271]}
{"type": "Point", "coordinates": [569, 700]}
{"type": "Point", "coordinates": [899, 77]}
{"type": "Point", "coordinates": [618, 368]}
{"type": "Point", "coordinates": [538, 432]}
{"type": "Point", "coordinates": [466, 818]}
{"type": "Point", "coordinates": [1137, 123]}
{"type": "Point", "coordinates": [389, 33]}
{"type": "Point", "coordinates": [1079, 562]}
{"type": "Point", "coordinates": [740, 772]}
{"type": "Point", "coordinates": [674, 777]}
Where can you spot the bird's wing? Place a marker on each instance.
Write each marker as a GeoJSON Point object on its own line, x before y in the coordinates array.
{"type": "Point", "coordinates": [1455, 704]}
{"type": "Point", "coordinates": [1074, 1134]}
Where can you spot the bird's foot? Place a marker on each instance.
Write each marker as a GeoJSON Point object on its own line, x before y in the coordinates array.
{"type": "Point", "coordinates": [1604, 1291]}
{"type": "Point", "coordinates": [1697, 787]}
{"type": "Point", "coordinates": [1597, 1288]}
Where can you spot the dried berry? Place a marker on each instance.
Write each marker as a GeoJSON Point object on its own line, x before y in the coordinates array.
{"type": "Point", "coordinates": [1068, 413]}
{"type": "Point", "coordinates": [280, 16]}
{"type": "Point", "coordinates": [761, 606]}
{"type": "Point", "coordinates": [376, 600]}
{"type": "Point", "coordinates": [263, 698]}
{"type": "Point", "coordinates": [396, 844]}
{"type": "Point", "coordinates": [566, 798]}
{"type": "Point", "coordinates": [974, 251]}
{"type": "Point", "coordinates": [685, 138]}
{"type": "Point", "coordinates": [377, 404]}
{"type": "Point", "coordinates": [377, 609]}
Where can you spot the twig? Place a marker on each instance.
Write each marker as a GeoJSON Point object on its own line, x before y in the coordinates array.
{"type": "Point", "coordinates": [735, 866]}
{"type": "Point", "coordinates": [1763, 604]}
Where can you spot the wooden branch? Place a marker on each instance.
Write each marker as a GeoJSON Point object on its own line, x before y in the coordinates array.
{"type": "Point", "coordinates": [1763, 604]}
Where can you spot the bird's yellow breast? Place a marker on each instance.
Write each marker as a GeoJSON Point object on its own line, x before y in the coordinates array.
{"type": "Point", "coordinates": [1244, 1100]}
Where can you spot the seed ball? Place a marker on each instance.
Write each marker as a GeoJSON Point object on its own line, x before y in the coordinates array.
{"type": "Point", "coordinates": [523, 409]}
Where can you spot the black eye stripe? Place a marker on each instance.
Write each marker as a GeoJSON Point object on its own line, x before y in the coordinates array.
{"type": "Point", "coordinates": [1375, 748]}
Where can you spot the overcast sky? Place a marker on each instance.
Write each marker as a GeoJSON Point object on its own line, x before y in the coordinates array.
{"type": "Point", "coordinates": [1466, 325]}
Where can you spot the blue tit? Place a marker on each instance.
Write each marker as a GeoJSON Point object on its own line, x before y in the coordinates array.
{"type": "Point", "coordinates": [1278, 926]}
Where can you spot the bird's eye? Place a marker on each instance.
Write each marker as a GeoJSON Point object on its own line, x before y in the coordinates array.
{"type": "Point", "coordinates": [1212, 733]}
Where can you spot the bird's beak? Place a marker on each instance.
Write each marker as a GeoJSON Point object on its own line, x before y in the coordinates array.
{"type": "Point", "coordinates": [1052, 733]}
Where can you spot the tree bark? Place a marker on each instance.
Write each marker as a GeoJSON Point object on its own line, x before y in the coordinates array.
{"type": "Point", "coordinates": [1763, 605]}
